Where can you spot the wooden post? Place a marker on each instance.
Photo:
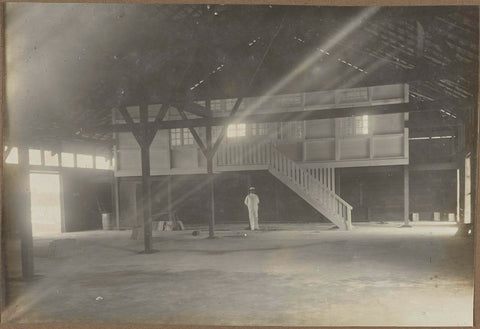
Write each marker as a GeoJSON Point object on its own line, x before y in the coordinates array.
{"type": "Point", "coordinates": [146, 192]}
{"type": "Point", "coordinates": [146, 196]}
{"type": "Point", "coordinates": [277, 212]}
{"type": "Point", "coordinates": [458, 196]}
{"type": "Point", "coordinates": [406, 197]}
{"type": "Point", "coordinates": [116, 201]}
{"type": "Point", "coordinates": [26, 235]}
{"type": "Point", "coordinates": [461, 188]}
{"type": "Point", "coordinates": [169, 196]}
{"type": "Point", "coordinates": [211, 177]}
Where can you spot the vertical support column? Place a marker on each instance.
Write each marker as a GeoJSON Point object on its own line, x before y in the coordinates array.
{"type": "Point", "coordinates": [63, 223]}
{"type": "Point", "coordinates": [146, 192]}
{"type": "Point", "coordinates": [406, 197]}
{"type": "Point", "coordinates": [169, 196]}
{"type": "Point", "coordinates": [461, 188]}
{"type": "Point", "coordinates": [116, 201]}
{"type": "Point", "coordinates": [458, 195]}
{"type": "Point", "coordinates": [146, 196]}
{"type": "Point", "coordinates": [277, 212]}
{"type": "Point", "coordinates": [26, 236]}
{"type": "Point", "coordinates": [467, 212]}
{"type": "Point", "coordinates": [210, 175]}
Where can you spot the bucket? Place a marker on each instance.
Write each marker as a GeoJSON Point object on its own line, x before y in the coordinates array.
{"type": "Point", "coordinates": [107, 221]}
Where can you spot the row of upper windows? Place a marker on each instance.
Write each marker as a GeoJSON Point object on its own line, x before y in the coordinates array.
{"type": "Point", "coordinates": [69, 160]}
{"type": "Point", "coordinates": [183, 136]}
{"type": "Point", "coordinates": [352, 126]}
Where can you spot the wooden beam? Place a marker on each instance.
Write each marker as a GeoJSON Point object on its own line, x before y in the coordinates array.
{"type": "Point", "coordinates": [159, 117]}
{"type": "Point", "coordinates": [286, 116]}
{"type": "Point", "coordinates": [133, 127]}
{"type": "Point", "coordinates": [194, 134]}
{"type": "Point", "coordinates": [193, 108]}
{"type": "Point", "coordinates": [434, 166]}
{"type": "Point", "coordinates": [162, 112]}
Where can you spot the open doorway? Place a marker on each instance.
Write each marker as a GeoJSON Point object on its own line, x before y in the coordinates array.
{"type": "Point", "coordinates": [45, 203]}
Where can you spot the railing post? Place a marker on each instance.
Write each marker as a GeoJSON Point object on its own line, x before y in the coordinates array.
{"type": "Point", "coordinates": [348, 222]}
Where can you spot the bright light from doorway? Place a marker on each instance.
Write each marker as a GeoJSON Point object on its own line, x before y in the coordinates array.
{"type": "Point", "coordinates": [45, 203]}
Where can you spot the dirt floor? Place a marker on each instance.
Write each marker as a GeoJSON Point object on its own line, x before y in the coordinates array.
{"type": "Point", "coordinates": [375, 275]}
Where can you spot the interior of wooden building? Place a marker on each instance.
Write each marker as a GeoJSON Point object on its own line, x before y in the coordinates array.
{"type": "Point", "coordinates": [133, 134]}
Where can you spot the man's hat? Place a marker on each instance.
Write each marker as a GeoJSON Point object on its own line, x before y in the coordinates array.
{"type": "Point", "coordinates": [252, 188]}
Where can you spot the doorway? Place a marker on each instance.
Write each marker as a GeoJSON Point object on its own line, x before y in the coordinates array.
{"type": "Point", "coordinates": [45, 203]}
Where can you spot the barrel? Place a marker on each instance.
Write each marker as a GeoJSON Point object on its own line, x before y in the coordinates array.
{"type": "Point", "coordinates": [107, 221]}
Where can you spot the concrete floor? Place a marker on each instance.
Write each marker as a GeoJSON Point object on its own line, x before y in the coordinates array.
{"type": "Point", "coordinates": [375, 275]}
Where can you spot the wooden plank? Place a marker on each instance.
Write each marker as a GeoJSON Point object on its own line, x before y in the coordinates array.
{"type": "Point", "coordinates": [193, 108]}
{"type": "Point", "coordinates": [285, 116]}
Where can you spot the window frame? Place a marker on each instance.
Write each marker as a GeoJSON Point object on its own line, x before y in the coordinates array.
{"type": "Point", "coordinates": [180, 136]}
{"type": "Point", "coordinates": [236, 129]}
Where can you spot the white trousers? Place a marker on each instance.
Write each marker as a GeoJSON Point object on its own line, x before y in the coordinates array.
{"type": "Point", "coordinates": [253, 216]}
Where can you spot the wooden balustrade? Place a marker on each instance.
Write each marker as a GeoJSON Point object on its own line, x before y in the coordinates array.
{"type": "Point", "coordinates": [318, 183]}
{"type": "Point", "coordinates": [312, 185]}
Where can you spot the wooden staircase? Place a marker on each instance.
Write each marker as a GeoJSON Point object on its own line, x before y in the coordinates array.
{"type": "Point", "coordinates": [315, 186]}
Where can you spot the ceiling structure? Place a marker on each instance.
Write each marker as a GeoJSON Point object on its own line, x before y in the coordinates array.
{"type": "Point", "coordinates": [69, 65]}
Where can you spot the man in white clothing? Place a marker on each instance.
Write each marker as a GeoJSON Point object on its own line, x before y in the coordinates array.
{"type": "Point", "coordinates": [252, 201]}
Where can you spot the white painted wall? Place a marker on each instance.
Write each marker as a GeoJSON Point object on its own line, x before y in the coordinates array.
{"type": "Point", "coordinates": [322, 142]}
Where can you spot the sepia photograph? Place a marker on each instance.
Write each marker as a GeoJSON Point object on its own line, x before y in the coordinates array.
{"type": "Point", "coordinates": [239, 165]}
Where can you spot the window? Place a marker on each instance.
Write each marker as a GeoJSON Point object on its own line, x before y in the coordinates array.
{"type": "Point", "coordinates": [13, 156]}
{"type": "Point", "coordinates": [176, 136]}
{"type": "Point", "coordinates": [102, 162]}
{"type": "Point", "coordinates": [50, 158]}
{"type": "Point", "coordinates": [187, 137]}
{"type": "Point", "coordinates": [236, 130]}
{"type": "Point", "coordinates": [361, 125]}
{"type": "Point", "coordinates": [67, 160]}
{"type": "Point", "coordinates": [354, 126]}
{"type": "Point", "coordinates": [35, 157]}
{"type": "Point", "coordinates": [259, 129]}
{"type": "Point", "coordinates": [180, 136]}
{"type": "Point", "coordinates": [84, 161]}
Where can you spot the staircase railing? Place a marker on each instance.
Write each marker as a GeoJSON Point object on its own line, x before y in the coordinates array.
{"type": "Point", "coordinates": [240, 154]}
{"type": "Point", "coordinates": [259, 153]}
{"type": "Point", "coordinates": [317, 183]}
{"type": "Point", "coordinates": [329, 201]}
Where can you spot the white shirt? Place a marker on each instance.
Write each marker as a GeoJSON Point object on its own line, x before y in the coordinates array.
{"type": "Point", "coordinates": [251, 200]}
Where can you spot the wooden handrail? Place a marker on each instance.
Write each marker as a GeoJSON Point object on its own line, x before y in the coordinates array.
{"type": "Point", "coordinates": [307, 174]}
{"type": "Point", "coordinates": [319, 188]}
